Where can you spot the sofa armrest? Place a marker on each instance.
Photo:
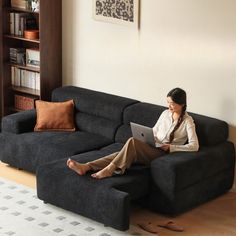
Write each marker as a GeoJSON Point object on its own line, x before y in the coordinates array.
{"type": "Point", "coordinates": [20, 122]}
{"type": "Point", "coordinates": [176, 171]}
{"type": "Point", "coordinates": [163, 170]}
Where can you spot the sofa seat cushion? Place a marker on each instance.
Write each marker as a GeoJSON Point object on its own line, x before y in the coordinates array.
{"type": "Point", "coordinates": [136, 171]}
{"type": "Point", "coordinates": [35, 148]}
{"type": "Point", "coordinates": [105, 200]}
{"type": "Point", "coordinates": [178, 171]}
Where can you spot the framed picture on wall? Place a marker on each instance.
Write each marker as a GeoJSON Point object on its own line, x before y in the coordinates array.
{"type": "Point", "coordinates": [124, 12]}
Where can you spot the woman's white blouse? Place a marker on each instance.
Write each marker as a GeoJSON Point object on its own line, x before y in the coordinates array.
{"type": "Point", "coordinates": [185, 137]}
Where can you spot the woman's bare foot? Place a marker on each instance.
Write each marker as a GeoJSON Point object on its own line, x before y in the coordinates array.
{"type": "Point", "coordinates": [105, 172]}
{"type": "Point", "coordinates": [79, 168]}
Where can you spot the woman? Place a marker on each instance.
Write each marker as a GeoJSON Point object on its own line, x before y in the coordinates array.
{"type": "Point", "coordinates": [175, 130]}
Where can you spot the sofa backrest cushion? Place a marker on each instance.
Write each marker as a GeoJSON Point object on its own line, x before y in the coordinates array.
{"type": "Point", "coordinates": [141, 113]}
{"type": "Point", "coordinates": [210, 131]}
{"type": "Point", "coordinates": [95, 112]}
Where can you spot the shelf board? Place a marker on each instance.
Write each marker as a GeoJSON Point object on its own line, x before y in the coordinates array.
{"type": "Point", "coordinates": [21, 38]}
{"type": "Point", "coordinates": [34, 92]}
{"type": "Point", "coordinates": [13, 109]}
{"type": "Point", "coordinates": [21, 10]}
{"type": "Point", "coordinates": [34, 69]}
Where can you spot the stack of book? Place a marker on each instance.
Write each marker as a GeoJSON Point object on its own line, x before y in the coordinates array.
{"type": "Point", "coordinates": [25, 78]}
{"type": "Point", "coordinates": [22, 4]}
{"type": "Point", "coordinates": [17, 56]}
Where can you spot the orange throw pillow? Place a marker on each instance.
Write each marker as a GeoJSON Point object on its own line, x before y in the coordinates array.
{"type": "Point", "coordinates": [54, 116]}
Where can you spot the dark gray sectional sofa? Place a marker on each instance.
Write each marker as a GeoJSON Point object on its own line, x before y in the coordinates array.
{"type": "Point", "coordinates": [173, 184]}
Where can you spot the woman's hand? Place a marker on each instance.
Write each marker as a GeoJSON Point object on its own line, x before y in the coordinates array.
{"type": "Point", "coordinates": [165, 147]}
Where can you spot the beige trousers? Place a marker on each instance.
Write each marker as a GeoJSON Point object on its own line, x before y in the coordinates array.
{"type": "Point", "coordinates": [133, 151]}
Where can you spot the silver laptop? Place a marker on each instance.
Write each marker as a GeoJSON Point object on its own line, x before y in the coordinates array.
{"type": "Point", "coordinates": [143, 133]}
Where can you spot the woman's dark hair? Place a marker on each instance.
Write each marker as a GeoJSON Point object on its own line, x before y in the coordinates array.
{"type": "Point", "coordinates": [178, 96]}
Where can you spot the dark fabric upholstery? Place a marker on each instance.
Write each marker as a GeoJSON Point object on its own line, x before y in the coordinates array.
{"type": "Point", "coordinates": [96, 111]}
{"type": "Point", "coordinates": [93, 102]}
{"type": "Point", "coordinates": [181, 181]}
{"type": "Point", "coordinates": [96, 125]}
{"type": "Point", "coordinates": [20, 122]}
{"type": "Point", "coordinates": [141, 113]}
{"type": "Point", "coordinates": [97, 115]}
{"type": "Point", "coordinates": [28, 150]}
{"type": "Point", "coordinates": [106, 201]}
{"type": "Point", "coordinates": [192, 196]}
{"type": "Point", "coordinates": [176, 171]}
{"type": "Point", "coordinates": [210, 131]}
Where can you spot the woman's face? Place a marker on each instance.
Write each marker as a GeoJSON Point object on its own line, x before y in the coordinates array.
{"type": "Point", "coordinates": [174, 107]}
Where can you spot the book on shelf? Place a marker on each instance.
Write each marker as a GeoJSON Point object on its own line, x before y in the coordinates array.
{"type": "Point", "coordinates": [12, 23]}
{"type": "Point", "coordinates": [25, 78]}
{"type": "Point", "coordinates": [20, 22]}
{"type": "Point", "coordinates": [33, 57]}
{"type": "Point", "coordinates": [17, 56]}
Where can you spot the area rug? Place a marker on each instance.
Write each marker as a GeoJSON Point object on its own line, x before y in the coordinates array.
{"type": "Point", "coordinates": [23, 214]}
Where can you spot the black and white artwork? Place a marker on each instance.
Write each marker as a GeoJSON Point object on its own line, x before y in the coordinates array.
{"type": "Point", "coordinates": [117, 11]}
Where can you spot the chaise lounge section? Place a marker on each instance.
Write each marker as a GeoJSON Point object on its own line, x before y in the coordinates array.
{"type": "Point", "coordinates": [97, 117]}
{"type": "Point", "coordinates": [173, 184]}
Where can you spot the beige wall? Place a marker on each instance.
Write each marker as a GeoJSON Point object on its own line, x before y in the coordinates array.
{"type": "Point", "coordinates": [186, 43]}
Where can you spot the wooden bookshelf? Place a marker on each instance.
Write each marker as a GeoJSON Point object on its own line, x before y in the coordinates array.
{"type": "Point", "coordinates": [49, 44]}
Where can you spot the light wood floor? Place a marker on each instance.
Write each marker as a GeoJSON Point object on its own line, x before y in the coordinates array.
{"type": "Point", "coordinates": [216, 218]}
